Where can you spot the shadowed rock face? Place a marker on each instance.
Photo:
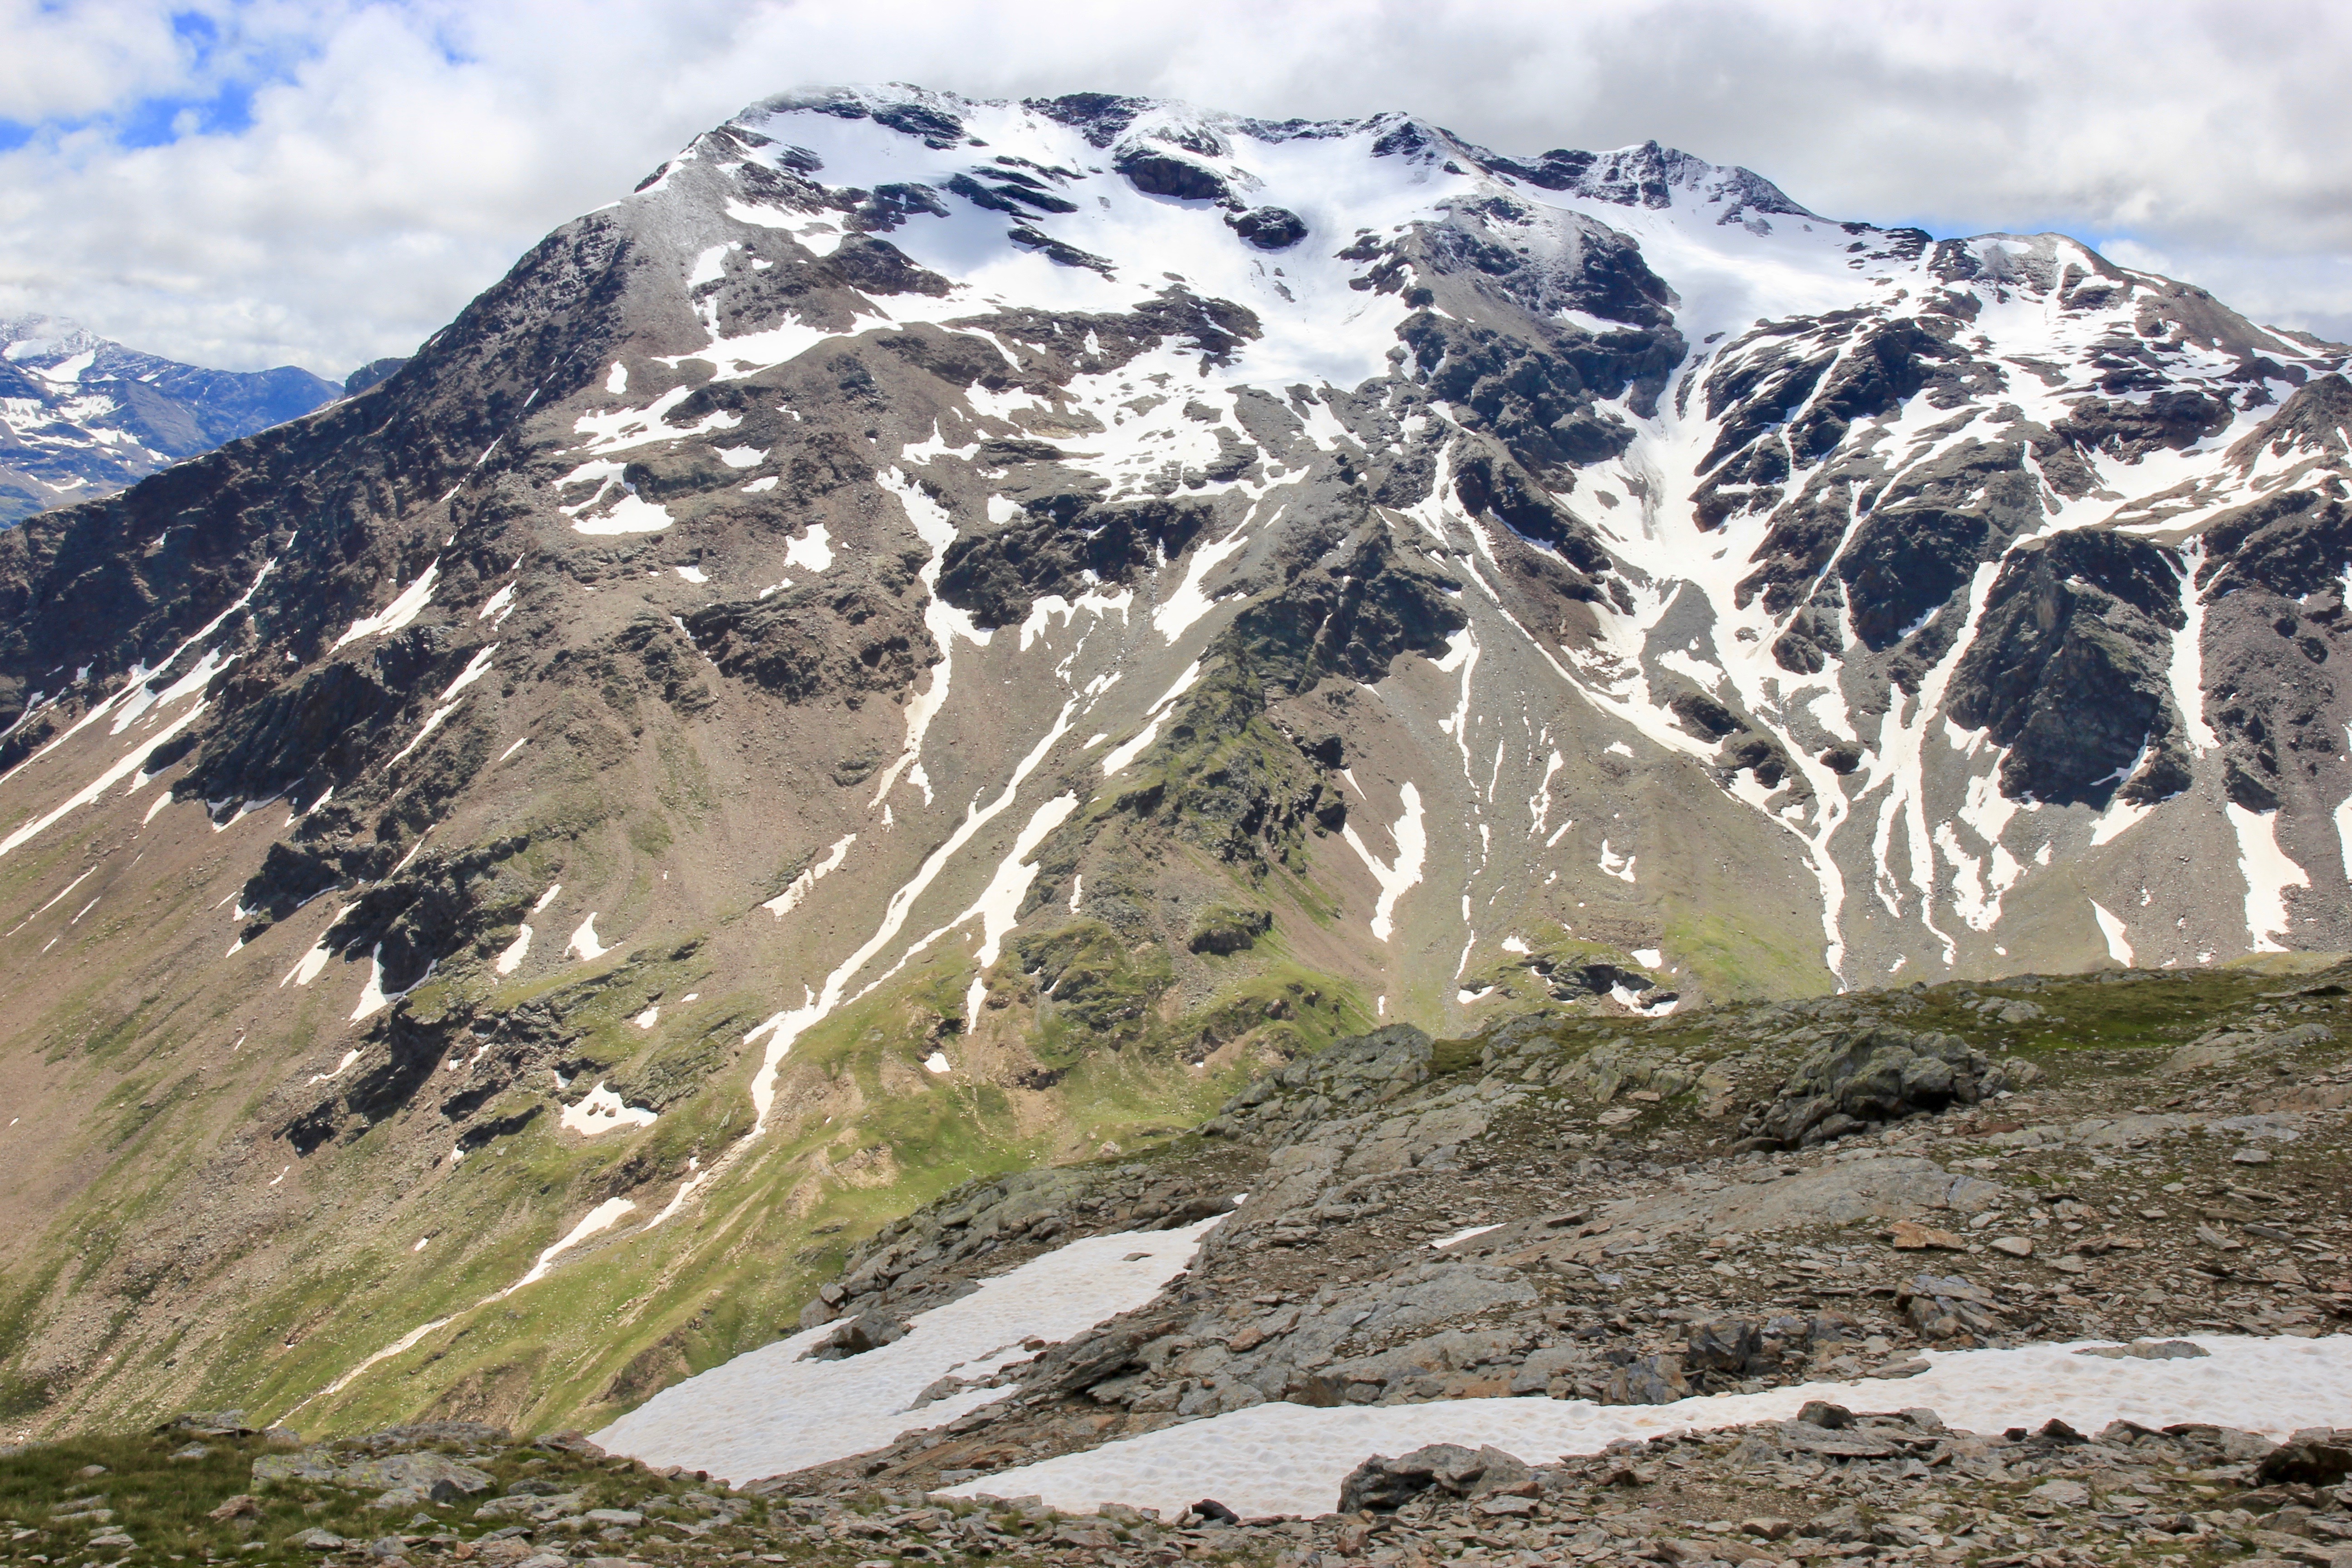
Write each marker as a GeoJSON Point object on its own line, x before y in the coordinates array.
{"type": "Point", "coordinates": [2070, 670]}
{"type": "Point", "coordinates": [936, 634]}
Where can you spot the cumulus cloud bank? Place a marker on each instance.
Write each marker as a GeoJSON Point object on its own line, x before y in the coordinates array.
{"type": "Point", "coordinates": [244, 183]}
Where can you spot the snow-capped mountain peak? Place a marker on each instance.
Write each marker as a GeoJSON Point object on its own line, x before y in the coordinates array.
{"type": "Point", "coordinates": [1016, 609]}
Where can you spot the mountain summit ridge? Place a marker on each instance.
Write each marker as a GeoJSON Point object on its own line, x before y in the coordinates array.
{"type": "Point", "coordinates": [939, 634]}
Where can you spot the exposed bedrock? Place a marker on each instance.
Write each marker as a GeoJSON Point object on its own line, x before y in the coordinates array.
{"type": "Point", "coordinates": [2070, 671]}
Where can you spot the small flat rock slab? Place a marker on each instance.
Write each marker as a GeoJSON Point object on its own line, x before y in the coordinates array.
{"type": "Point", "coordinates": [1506, 1507]}
{"type": "Point", "coordinates": [1808, 1439]}
{"type": "Point", "coordinates": [2147, 1350]}
{"type": "Point", "coordinates": [2015, 1245]}
{"type": "Point", "coordinates": [1911, 1236]}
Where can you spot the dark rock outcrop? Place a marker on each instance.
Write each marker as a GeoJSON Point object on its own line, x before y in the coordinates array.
{"type": "Point", "coordinates": [1383, 1485]}
{"type": "Point", "coordinates": [1269, 228]}
{"type": "Point", "coordinates": [1871, 1077]}
{"type": "Point", "coordinates": [2070, 670]}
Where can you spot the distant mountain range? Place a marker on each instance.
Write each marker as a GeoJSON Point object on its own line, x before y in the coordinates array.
{"type": "Point", "coordinates": [82, 417]}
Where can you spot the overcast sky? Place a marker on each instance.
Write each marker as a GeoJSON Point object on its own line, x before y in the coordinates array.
{"type": "Point", "coordinates": [250, 183]}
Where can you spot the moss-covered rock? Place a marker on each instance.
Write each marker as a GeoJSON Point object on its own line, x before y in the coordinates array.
{"type": "Point", "coordinates": [1226, 929]}
{"type": "Point", "coordinates": [1091, 986]}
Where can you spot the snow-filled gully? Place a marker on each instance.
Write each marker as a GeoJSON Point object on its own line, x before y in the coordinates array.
{"type": "Point", "coordinates": [946, 624]}
{"type": "Point", "coordinates": [139, 695]}
{"type": "Point", "coordinates": [1396, 876]}
{"type": "Point", "coordinates": [784, 1028]}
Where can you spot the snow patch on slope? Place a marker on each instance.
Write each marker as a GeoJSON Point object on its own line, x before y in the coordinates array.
{"type": "Point", "coordinates": [602, 1110]}
{"type": "Point", "coordinates": [770, 1411]}
{"type": "Point", "coordinates": [1284, 1458]}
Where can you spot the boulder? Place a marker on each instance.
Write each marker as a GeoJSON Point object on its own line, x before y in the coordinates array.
{"type": "Point", "coordinates": [537, 1508]}
{"type": "Point", "coordinates": [1158, 172]}
{"type": "Point", "coordinates": [309, 1465]}
{"type": "Point", "coordinates": [1910, 1235]}
{"type": "Point", "coordinates": [1724, 1344]}
{"type": "Point", "coordinates": [2147, 1350]}
{"type": "Point", "coordinates": [1646, 1380]}
{"type": "Point", "coordinates": [1383, 1485]}
{"type": "Point", "coordinates": [1268, 229]}
{"type": "Point", "coordinates": [436, 1476]}
{"type": "Point", "coordinates": [1872, 1076]}
{"type": "Point", "coordinates": [866, 1331]}
{"type": "Point", "coordinates": [1839, 1443]}
{"type": "Point", "coordinates": [2315, 1456]}
{"type": "Point", "coordinates": [1942, 1306]}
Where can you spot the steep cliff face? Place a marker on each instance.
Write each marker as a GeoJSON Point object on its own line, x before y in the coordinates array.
{"type": "Point", "coordinates": [936, 636]}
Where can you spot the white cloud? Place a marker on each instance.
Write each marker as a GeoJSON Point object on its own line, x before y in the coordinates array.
{"type": "Point", "coordinates": [79, 60]}
{"type": "Point", "coordinates": [398, 157]}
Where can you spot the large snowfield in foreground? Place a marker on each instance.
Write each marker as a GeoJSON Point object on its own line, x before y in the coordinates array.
{"type": "Point", "coordinates": [768, 1411]}
{"type": "Point", "coordinates": [1290, 1458]}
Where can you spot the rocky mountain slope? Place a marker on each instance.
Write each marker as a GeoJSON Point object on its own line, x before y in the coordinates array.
{"type": "Point", "coordinates": [935, 638]}
{"type": "Point", "coordinates": [81, 416]}
{"type": "Point", "coordinates": [1755, 1197]}
{"type": "Point", "coordinates": [1532, 1227]}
